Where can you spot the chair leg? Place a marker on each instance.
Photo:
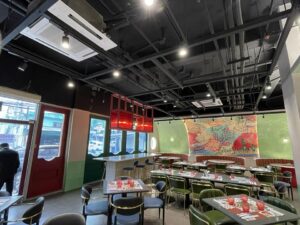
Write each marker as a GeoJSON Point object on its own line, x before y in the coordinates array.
{"type": "Point", "coordinates": [159, 213]}
{"type": "Point", "coordinates": [184, 204]}
{"type": "Point", "coordinates": [164, 215]}
{"type": "Point", "coordinates": [292, 194]}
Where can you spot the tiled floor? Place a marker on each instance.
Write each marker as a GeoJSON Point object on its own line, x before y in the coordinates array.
{"type": "Point", "coordinates": [71, 202]}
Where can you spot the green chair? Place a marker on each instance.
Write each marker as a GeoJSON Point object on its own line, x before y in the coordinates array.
{"type": "Point", "coordinates": [176, 166]}
{"type": "Point", "coordinates": [286, 177]}
{"type": "Point", "coordinates": [209, 193]}
{"type": "Point", "coordinates": [235, 189]}
{"type": "Point", "coordinates": [191, 168]}
{"type": "Point", "coordinates": [165, 163]}
{"type": "Point", "coordinates": [220, 168]}
{"type": "Point", "coordinates": [208, 218]}
{"type": "Point", "coordinates": [179, 187]}
{"type": "Point", "coordinates": [267, 183]}
{"type": "Point", "coordinates": [158, 177]}
{"type": "Point", "coordinates": [197, 187]}
{"type": "Point", "coordinates": [282, 205]}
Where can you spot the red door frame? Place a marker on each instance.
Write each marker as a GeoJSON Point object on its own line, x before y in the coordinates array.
{"type": "Point", "coordinates": [27, 148]}
{"type": "Point", "coordinates": [48, 176]}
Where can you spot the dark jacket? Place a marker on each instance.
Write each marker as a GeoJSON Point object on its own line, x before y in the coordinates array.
{"type": "Point", "coordinates": [9, 163]}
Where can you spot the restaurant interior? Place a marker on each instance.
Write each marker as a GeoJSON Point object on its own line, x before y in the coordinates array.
{"type": "Point", "coordinates": [150, 112]}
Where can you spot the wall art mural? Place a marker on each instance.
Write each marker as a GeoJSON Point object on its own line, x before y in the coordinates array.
{"type": "Point", "coordinates": [223, 136]}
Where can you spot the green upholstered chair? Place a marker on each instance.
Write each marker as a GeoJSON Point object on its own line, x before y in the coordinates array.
{"type": "Point", "coordinates": [267, 183]}
{"type": "Point", "coordinates": [208, 218]}
{"type": "Point", "coordinates": [165, 163]}
{"type": "Point", "coordinates": [220, 168]}
{"type": "Point", "coordinates": [282, 205]}
{"type": "Point", "coordinates": [286, 177]}
{"type": "Point", "coordinates": [197, 187]}
{"type": "Point", "coordinates": [209, 193]}
{"type": "Point", "coordinates": [179, 187]}
{"type": "Point", "coordinates": [157, 177]}
{"type": "Point", "coordinates": [235, 189]}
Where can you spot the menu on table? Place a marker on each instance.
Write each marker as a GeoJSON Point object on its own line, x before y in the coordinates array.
{"type": "Point", "coordinates": [253, 214]}
{"type": "Point", "coordinates": [124, 185]}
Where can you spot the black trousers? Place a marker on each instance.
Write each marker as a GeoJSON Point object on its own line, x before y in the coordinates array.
{"type": "Point", "coordinates": [9, 184]}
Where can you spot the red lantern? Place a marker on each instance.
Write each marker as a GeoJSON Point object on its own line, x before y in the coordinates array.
{"type": "Point", "coordinates": [121, 116]}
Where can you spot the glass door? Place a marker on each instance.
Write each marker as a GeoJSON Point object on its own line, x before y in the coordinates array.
{"type": "Point", "coordinates": [18, 134]}
{"type": "Point", "coordinates": [96, 148]}
{"type": "Point", "coordinates": [47, 171]}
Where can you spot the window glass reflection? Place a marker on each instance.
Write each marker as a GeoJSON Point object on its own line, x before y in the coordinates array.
{"type": "Point", "coordinates": [96, 136]}
{"type": "Point", "coordinates": [115, 146]}
{"type": "Point", "coordinates": [130, 142]}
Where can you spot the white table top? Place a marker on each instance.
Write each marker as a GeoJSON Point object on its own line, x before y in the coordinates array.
{"type": "Point", "coordinates": [220, 161]}
{"type": "Point", "coordinates": [170, 157]}
{"type": "Point", "coordinates": [283, 165]}
{"type": "Point", "coordinates": [121, 158]}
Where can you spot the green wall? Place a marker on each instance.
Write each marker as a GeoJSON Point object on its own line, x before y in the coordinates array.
{"type": "Point", "coordinates": [272, 131]}
{"type": "Point", "coordinates": [273, 136]}
{"type": "Point", "coordinates": [172, 137]}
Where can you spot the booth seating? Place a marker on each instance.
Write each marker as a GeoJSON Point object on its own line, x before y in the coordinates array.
{"type": "Point", "coordinates": [266, 162]}
{"type": "Point", "coordinates": [237, 160]}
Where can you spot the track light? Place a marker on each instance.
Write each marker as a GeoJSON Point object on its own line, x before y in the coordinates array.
{"type": "Point", "coordinates": [264, 96]}
{"type": "Point", "coordinates": [182, 52]}
{"type": "Point", "coordinates": [208, 94]}
{"type": "Point", "coordinates": [116, 73]}
{"type": "Point", "coordinates": [174, 106]}
{"type": "Point", "coordinates": [65, 42]}
{"type": "Point", "coordinates": [71, 84]}
{"type": "Point", "coordinates": [23, 66]}
{"type": "Point", "coordinates": [148, 2]}
{"type": "Point", "coordinates": [268, 84]}
{"type": "Point", "coordinates": [165, 100]}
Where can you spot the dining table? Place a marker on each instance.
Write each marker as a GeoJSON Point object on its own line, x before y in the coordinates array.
{"type": "Point", "coordinates": [287, 167]}
{"type": "Point", "coordinates": [220, 161]}
{"type": "Point", "coordinates": [250, 211]}
{"type": "Point", "coordinates": [6, 202]}
{"type": "Point", "coordinates": [123, 187]}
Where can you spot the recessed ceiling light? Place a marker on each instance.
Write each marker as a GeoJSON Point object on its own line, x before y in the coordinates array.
{"type": "Point", "coordinates": [149, 2]}
{"type": "Point", "coordinates": [116, 73]}
{"type": "Point", "coordinates": [182, 52]}
{"type": "Point", "coordinates": [71, 84]}
{"type": "Point", "coordinates": [268, 84]}
{"type": "Point", "coordinates": [65, 42]}
{"type": "Point", "coordinates": [208, 94]}
{"type": "Point", "coordinates": [264, 96]}
{"type": "Point", "coordinates": [165, 100]}
{"type": "Point", "coordinates": [174, 106]}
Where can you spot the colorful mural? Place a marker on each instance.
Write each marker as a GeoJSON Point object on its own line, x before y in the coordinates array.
{"type": "Point", "coordinates": [223, 136]}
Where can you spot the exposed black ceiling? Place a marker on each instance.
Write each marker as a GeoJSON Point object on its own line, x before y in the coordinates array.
{"type": "Point", "coordinates": [233, 47]}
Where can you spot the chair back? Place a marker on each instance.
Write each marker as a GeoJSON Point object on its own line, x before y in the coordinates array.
{"type": "Point", "coordinates": [165, 162]}
{"type": "Point", "coordinates": [197, 217]}
{"type": "Point", "coordinates": [147, 161]}
{"type": "Point", "coordinates": [209, 193]}
{"type": "Point", "coordinates": [177, 182]}
{"type": "Point", "coordinates": [86, 192]}
{"type": "Point", "coordinates": [136, 163]}
{"type": "Point", "coordinates": [156, 178]}
{"type": "Point", "coordinates": [128, 206]}
{"type": "Point", "coordinates": [161, 187]}
{"type": "Point", "coordinates": [191, 168]}
{"type": "Point", "coordinates": [234, 189]}
{"type": "Point", "coordinates": [282, 205]}
{"type": "Point", "coordinates": [265, 177]}
{"type": "Point", "coordinates": [198, 186]}
{"type": "Point", "coordinates": [220, 168]}
{"type": "Point", "coordinates": [66, 219]}
{"type": "Point", "coordinates": [34, 213]}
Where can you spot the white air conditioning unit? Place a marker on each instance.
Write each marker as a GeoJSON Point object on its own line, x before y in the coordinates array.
{"type": "Point", "coordinates": [207, 103]}
{"type": "Point", "coordinates": [79, 15]}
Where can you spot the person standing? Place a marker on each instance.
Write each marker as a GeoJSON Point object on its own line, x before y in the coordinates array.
{"type": "Point", "coordinates": [9, 164]}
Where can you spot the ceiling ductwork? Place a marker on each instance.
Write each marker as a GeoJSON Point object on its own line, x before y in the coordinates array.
{"type": "Point", "coordinates": [78, 15]}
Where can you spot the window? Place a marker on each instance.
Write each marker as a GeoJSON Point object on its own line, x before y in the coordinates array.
{"type": "Point", "coordinates": [115, 146]}
{"type": "Point", "coordinates": [14, 109]}
{"type": "Point", "coordinates": [51, 135]}
{"type": "Point", "coordinates": [96, 136]}
{"type": "Point", "coordinates": [142, 142]}
{"type": "Point", "coordinates": [130, 142]}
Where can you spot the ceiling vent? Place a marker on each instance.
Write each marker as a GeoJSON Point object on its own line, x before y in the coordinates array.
{"type": "Point", "coordinates": [80, 16]}
{"type": "Point", "coordinates": [207, 103]}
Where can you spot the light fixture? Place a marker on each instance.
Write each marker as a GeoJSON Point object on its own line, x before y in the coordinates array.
{"type": "Point", "coordinates": [65, 42]}
{"type": "Point", "coordinates": [71, 84]}
{"type": "Point", "coordinates": [264, 96]}
{"type": "Point", "coordinates": [116, 73]}
{"type": "Point", "coordinates": [165, 100]}
{"type": "Point", "coordinates": [23, 66]}
{"type": "Point", "coordinates": [268, 84]}
{"type": "Point", "coordinates": [285, 140]}
{"type": "Point", "coordinates": [174, 106]}
{"type": "Point", "coordinates": [208, 94]}
{"type": "Point", "coordinates": [148, 2]}
{"type": "Point", "coordinates": [182, 52]}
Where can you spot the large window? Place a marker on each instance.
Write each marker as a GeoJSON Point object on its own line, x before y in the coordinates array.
{"type": "Point", "coordinates": [142, 142]}
{"type": "Point", "coordinates": [14, 109]}
{"type": "Point", "coordinates": [96, 136]}
{"type": "Point", "coordinates": [130, 142]}
{"type": "Point", "coordinates": [115, 146]}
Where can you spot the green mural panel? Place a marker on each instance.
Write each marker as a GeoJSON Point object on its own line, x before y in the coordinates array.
{"type": "Point", "coordinates": [273, 136]}
{"type": "Point", "coordinates": [74, 175]}
{"type": "Point", "coordinates": [173, 137]}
